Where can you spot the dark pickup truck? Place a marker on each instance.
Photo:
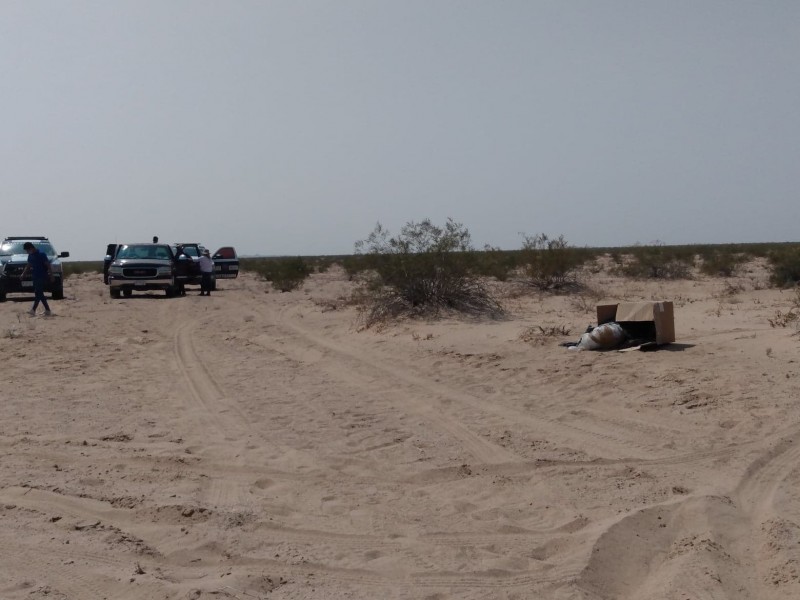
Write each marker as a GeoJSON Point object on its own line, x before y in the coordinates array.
{"type": "Point", "coordinates": [14, 258]}
{"type": "Point", "coordinates": [185, 258]}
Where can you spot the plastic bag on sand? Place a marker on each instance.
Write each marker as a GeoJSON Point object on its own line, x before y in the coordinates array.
{"type": "Point", "coordinates": [602, 337]}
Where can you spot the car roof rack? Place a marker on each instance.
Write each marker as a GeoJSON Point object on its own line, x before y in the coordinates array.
{"type": "Point", "coordinates": [25, 237]}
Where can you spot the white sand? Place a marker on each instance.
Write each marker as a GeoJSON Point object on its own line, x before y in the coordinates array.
{"type": "Point", "coordinates": [256, 445]}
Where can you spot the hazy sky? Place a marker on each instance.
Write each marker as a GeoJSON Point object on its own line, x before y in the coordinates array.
{"type": "Point", "coordinates": [292, 127]}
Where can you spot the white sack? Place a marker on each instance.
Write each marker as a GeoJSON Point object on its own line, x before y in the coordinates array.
{"type": "Point", "coordinates": [602, 337]}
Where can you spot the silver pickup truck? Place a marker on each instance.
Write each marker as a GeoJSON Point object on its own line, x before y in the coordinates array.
{"type": "Point", "coordinates": [142, 267]}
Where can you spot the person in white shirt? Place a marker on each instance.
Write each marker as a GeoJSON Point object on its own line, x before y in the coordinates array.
{"type": "Point", "coordinates": [206, 271]}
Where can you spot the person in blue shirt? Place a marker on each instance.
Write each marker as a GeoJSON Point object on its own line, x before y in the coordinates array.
{"type": "Point", "coordinates": [39, 267]}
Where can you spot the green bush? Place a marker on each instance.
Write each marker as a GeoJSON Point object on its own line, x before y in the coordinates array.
{"type": "Point", "coordinates": [77, 268]}
{"type": "Point", "coordinates": [289, 274]}
{"type": "Point", "coordinates": [785, 264]}
{"type": "Point", "coordinates": [354, 265]}
{"type": "Point", "coordinates": [322, 264]}
{"type": "Point", "coordinates": [494, 262]}
{"type": "Point", "coordinates": [660, 262]}
{"type": "Point", "coordinates": [551, 264]}
{"type": "Point", "coordinates": [421, 271]}
{"type": "Point", "coordinates": [721, 262]}
{"type": "Point", "coordinates": [285, 274]}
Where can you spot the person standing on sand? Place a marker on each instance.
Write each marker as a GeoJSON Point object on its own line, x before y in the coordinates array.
{"type": "Point", "coordinates": [183, 267]}
{"type": "Point", "coordinates": [39, 267]}
{"type": "Point", "coordinates": [206, 270]}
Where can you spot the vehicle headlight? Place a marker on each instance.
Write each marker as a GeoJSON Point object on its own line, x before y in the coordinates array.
{"type": "Point", "coordinates": [164, 270]}
{"type": "Point", "coordinates": [115, 270]}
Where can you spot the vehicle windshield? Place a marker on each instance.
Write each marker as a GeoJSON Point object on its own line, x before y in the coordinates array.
{"type": "Point", "coordinates": [144, 251]}
{"type": "Point", "coordinates": [189, 251]}
{"type": "Point", "coordinates": [15, 247]}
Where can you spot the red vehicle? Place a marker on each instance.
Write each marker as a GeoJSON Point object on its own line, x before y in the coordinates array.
{"type": "Point", "coordinates": [226, 263]}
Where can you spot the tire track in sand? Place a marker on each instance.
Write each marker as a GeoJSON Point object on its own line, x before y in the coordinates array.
{"type": "Point", "coordinates": [221, 421]}
{"type": "Point", "coordinates": [165, 539]}
{"type": "Point", "coordinates": [217, 411]}
{"type": "Point", "coordinates": [762, 479]}
{"type": "Point", "coordinates": [481, 449]}
{"type": "Point", "coordinates": [721, 534]}
{"type": "Point", "coordinates": [609, 442]}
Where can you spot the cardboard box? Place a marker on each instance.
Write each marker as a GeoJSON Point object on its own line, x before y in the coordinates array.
{"type": "Point", "coordinates": [649, 321]}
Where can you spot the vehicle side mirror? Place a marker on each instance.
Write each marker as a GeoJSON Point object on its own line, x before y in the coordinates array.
{"type": "Point", "coordinates": [64, 255]}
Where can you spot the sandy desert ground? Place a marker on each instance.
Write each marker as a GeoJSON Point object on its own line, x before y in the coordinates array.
{"type": "Point", "coordinates": [258, 445]}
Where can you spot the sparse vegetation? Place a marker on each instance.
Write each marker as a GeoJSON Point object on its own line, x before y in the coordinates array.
{"type": "Point", "coordinates": [353, 265]}
{"type": "Point", "coordinates": [783, 319]}
{"type": "Point", "coordinates": [785, 266]}
{"type": "Point", "coordinates": [721, 262]}
{"type": "Point", "coordinates": [790, 317]}
{"type": "Point", "coordinates": [731, 290]}
{"type": "Point", "coordinates": [544, 263]}
{"type": "Point", "coordinates": [321, 264]}
{"type": "Point", "coordinates": [285, 274]}
{"type": "Point", "coordinates": [586, 301]}
{"type": "Point", "coordinates": [77, 268]}
{"type": "Point", "coordinates": [421, 271]}
{"type": "Point", "coordinates": [658, 261]}
{"type": "Point", "coordinates": [539, 334]}
{"type": "Point", "coordinates": [494, 262]}
{"type": "Point", "coordinates": [551, 264]}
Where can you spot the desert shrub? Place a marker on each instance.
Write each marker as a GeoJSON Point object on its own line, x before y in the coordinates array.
{"type": "Point", "coordinates": [540, 335]}
{"type": "Point", "coordinates": [785, 266]}
{"type": "Point", "coordinates": [77, 268]}
{"type": "Point", "coordinates": [659, 262]}
{"type": "Point", "coordinates": [290, 273]}
{"type": "Point", "coordinates": [721, 263]}
{"type": "Point", "coordinates": [285, 274]}
{"type": "Point", "coordinates": [421, 271]}
{"type": "Point", "coordinates": [354, 265]}
{"type": "Point", "coordinates": [494, 262]}
{"type": "Point", "coordinates": [731, 290]}
{"type": "Point", "coordinates": [551, 264]}
{"type": "Point", "coordinates": [586, 300]}
{"type": "Point", "coordinates": [790, 317]}
{"type": "Point", "coordinates": [783, 319]}
{"type": "Point", "coordinates": [321, 264]}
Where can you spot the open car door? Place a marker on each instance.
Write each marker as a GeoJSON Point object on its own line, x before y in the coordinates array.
{"type": "Point", "coordinates": [111, 252]}
{"type": "Point", "coordinates": [226, 263]}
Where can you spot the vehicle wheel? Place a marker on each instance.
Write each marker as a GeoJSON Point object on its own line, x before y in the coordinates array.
{"type": "Point", "coordinates": [127, 293]}
{"type": "Point", "coordinates": [2, 296]}
{"type": "Point", "coordinates": [58, 293]}
{"type": "Point", "coordinates": [213, 285]}
{"type": "Point", "coordinates": [114, 292]}
{"type": "Point", "coordinates": [170, 291]}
